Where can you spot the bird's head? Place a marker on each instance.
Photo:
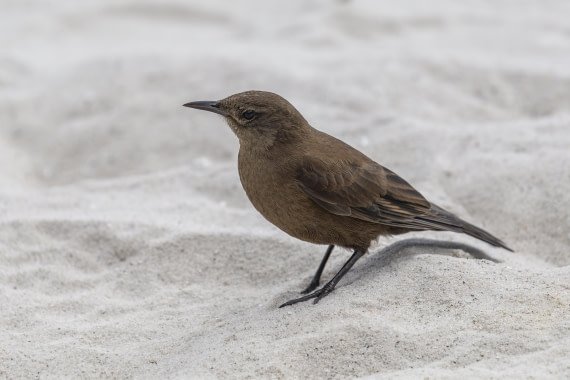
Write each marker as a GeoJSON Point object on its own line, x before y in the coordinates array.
{"type": "Point", "coordinates": [260, 119]}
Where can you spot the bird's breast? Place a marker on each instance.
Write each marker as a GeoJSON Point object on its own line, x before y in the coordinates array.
{"type": "Point", "coordinates": [272, 189]}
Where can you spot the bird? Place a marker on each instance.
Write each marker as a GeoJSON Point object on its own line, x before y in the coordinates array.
{"type": "Point", "coordinates": [321, 190]}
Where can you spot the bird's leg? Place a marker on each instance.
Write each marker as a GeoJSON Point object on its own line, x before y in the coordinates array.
{"type": "Point", "coordinates": [329, 286]}
{"type": "Point", "coordinates": [317, 277]}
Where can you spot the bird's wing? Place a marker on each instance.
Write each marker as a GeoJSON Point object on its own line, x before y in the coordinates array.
{"type": "Point", "coordinates": [365, 191]}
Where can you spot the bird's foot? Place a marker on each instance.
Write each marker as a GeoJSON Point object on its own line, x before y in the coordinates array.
{"type": "Point", "coordinates": [317, 295]}
{"type": "Point", "coordinates": [329, 286]}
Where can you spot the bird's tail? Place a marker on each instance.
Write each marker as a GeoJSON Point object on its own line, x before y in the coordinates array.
{"type": "Point", "coordinates": [481, 234]}
{"type": "Point", "coordinates": [447, 221]}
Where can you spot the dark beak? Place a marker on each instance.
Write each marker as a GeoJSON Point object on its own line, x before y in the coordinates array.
{"type": "Point", "coordinates": [207, 105]}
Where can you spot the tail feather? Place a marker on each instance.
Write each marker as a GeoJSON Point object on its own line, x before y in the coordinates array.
{"type": "Point", "coordinates": [483, 235]}
{"type": "Point", "coordinates": [444, 220]}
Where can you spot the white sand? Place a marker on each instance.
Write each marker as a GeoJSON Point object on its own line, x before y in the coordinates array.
{"type": "Point", "coordinates": [129, 250]}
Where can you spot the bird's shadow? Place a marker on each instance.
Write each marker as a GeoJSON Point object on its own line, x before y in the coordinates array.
{"type": "Point", "coordinates": [398, 249]}
{"type": "Point", "coordinates": [401, 250]}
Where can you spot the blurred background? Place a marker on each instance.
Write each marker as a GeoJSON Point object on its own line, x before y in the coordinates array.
{"type": "Point", "coordinates": [94, 89]}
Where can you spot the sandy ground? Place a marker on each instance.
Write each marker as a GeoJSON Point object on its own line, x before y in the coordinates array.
{"type": "Point", "coordinates": [129, 250]}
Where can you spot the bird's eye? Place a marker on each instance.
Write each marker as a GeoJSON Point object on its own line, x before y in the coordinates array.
{"type": "Point", "coordinates": [249, 114]}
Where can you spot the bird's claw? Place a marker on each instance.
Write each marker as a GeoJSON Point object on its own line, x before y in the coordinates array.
{"type": "Point", "coordinates": [317, 295]}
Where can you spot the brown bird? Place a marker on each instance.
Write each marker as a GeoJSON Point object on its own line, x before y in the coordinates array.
{"type": "Point", "coordinates": [319, 189]}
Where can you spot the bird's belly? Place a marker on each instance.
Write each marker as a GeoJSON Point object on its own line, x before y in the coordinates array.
{"type": "Point", "coordinates": [282, 202]}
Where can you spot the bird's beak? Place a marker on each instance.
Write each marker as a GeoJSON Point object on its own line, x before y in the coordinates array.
{"type": "Point", "coordinates": [207, 105]}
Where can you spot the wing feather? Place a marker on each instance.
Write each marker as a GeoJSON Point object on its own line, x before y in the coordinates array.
{"type": "Point", "coordinates": [367, 191]}
{"type": "Point", "coordinates": [370, 192]}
